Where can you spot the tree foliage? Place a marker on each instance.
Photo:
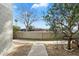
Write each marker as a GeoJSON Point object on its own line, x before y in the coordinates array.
{"type": "Point", "coordinates": [64, 17]}
{"type": "Point", "coordinates": [15, 29]}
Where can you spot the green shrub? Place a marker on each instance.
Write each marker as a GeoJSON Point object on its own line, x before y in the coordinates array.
{"type": "Point", "coordinates": [16, 28]}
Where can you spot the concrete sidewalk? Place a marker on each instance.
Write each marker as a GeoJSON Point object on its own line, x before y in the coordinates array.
{"type": "Point", "coordinates": [43, 42]}
{"type": "Point", "coordinates": [38, 50]}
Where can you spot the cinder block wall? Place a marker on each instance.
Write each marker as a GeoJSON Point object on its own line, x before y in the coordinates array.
{"type": "Point", "coordinates": [34, 34]}
{"type": "Point", "coordinates": [5, 27]}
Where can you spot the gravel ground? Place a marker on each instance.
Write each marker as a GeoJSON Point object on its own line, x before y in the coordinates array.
{"type": "Point", "coordinates": [58, 50]}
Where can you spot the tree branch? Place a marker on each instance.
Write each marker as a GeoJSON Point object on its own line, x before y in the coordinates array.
{"type": "Point", "coordinates": [64, 25]}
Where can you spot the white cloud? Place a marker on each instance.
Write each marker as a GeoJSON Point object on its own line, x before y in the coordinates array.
{"type": "Point", "coordinates": [39, 5]}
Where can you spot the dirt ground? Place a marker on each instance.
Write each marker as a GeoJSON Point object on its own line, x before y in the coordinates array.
{"type": "Point", "coordinates": [59, 50]}
{"type": "Point", "coordinates": [21, 49]}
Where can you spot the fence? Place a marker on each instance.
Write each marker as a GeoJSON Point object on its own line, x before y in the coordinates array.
{"type": "Point", "coordinates": [35, 35]}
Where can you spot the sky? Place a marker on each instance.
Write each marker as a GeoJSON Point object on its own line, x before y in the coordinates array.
{"type": "Point", "coordinates": [36, 8]}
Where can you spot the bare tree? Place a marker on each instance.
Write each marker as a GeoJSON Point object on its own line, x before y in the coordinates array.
{"type": "Point", "coordinates": [26, 17]}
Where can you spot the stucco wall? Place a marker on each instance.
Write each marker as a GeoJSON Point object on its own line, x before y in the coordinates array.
{"type": "Point", "coordinates": [5, 27]}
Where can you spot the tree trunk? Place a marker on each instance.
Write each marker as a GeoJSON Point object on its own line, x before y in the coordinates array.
{"type": "Point", "coordinates": [69, 44]}
{"type": "Point", "coordinates": [27, 28]}
{"type": "Point", "coordinates": [77, 43]}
